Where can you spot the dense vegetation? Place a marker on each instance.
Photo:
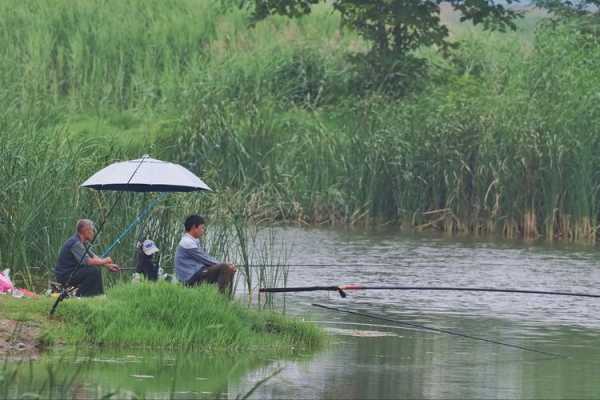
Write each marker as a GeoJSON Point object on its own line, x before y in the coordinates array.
{"type": "Point", "coordinates": [499, 137]}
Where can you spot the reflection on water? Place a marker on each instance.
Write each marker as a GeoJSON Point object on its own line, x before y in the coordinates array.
{"type": "Point", "coordinates": [373, 359]}
{"type": "Point", "coordinates": [132, 374]}
{"type": "Point", "coordinates": [417, 365]}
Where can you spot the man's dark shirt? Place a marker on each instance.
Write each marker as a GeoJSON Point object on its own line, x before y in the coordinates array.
{"type": "Point", "coordinates": [70, 256]}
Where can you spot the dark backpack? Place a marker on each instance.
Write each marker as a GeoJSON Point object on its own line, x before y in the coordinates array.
{"type": "Point", "coordinates": [147, 265]}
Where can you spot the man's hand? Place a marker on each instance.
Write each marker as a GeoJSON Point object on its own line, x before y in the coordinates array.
{"type": "Point", "coordinates": [113, 267]}
{"type": "Point", "coordinates": [107, 260]}
{"type": "Point", "coordinates": [232, 266]}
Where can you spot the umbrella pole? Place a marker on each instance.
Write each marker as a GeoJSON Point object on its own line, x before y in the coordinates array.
{"type": "Point", "coordinates": [140, 217]}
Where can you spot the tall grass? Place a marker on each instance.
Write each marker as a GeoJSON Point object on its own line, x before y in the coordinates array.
{"type": "Point", "coordinates": [501, 139]}
{"type": "Point", "coordinates": [124, 53]}
{"type": "Point", "coordinates": [93, 83]}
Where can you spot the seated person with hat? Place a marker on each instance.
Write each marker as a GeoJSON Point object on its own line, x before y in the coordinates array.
{"type": "Point", "coordinates": [147, 263]}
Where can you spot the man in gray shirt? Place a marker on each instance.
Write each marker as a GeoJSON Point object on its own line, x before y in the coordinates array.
{"type": "Point", "coordinates": [194, 266]}
{"type": "Point", "coordinates": [80, 267]}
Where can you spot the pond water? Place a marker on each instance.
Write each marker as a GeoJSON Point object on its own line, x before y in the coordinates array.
{"type": "Point", "coordinates": [371, 358]}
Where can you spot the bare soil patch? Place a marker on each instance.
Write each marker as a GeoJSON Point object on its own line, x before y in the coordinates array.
{"type": "Point", "coordinates": [19, 339]}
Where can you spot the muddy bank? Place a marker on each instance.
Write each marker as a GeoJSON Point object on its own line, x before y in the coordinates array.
{"type": "Point", "coordinates": [19, 340]}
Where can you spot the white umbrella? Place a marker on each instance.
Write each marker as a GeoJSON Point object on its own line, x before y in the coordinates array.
{"type": "Point", "coordinates": [146, 175]}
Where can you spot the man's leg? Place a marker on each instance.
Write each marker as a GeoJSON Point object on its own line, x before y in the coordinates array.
{"type": "Point", "coordinates": [88, 280]}
{"type": "Point", "coordinates": [225, 279]}
{"type": "Point", "coordinates": [197, 278]}
{"type": "Point", "coordinates": [221, 274]}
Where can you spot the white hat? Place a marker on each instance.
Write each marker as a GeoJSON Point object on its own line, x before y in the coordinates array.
{"type": "Point", "coordinates": [149, 247]}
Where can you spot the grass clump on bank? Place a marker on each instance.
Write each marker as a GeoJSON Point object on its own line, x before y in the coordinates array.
{"type": "Point", "coordinates": [170, 316]}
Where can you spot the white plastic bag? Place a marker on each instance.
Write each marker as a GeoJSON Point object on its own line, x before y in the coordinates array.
{"type": "Point", "coordinates": [136, 277]}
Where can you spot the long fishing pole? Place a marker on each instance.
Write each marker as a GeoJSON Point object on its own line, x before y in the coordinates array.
{"type": "Point", "coordinates": [341, 289]}
{"type": "Point", "coordinates": [64, 293]}
{"type": "Point", "coordinates": [437, 330]}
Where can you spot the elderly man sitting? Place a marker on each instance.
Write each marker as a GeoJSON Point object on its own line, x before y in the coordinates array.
{"type": "Point", "coordinates": [194, 266]}
{"type": "Point", "coordinates": [80, 267]}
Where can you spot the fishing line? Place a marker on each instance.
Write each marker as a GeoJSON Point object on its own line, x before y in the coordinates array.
{"type": "Point", "coordinates": [64, 293]}
{"type": "Point", "coordinates": [389, 326]}
{"type": "Point", "coordinates": [310, 265]}
{"type": "Point", "coordinates": [331, 265]}
{"type": "Point", "coordinates": [437, 330]}
{"type": "Point", "coordinates": [341, 289]}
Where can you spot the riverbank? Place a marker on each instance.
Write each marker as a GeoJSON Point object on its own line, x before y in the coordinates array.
{"type": "Point", "coordinates": [158, 316]}
{"type": "Point", "coordinates": [19, 339]}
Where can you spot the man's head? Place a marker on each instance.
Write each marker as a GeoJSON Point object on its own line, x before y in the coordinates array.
{"type": "Point", "coordinates": [194, 225]}
{"type": "Point", "coordinates": [85, 229]}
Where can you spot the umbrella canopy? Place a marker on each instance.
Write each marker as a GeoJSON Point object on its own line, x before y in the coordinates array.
{"type": "Point", "coordinates": [146, 175]}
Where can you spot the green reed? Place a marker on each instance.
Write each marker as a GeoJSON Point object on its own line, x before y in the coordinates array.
{"type": "Point", "coordinates": [501, 138]}
{"type": "Point", "coordinates": [504, 141]}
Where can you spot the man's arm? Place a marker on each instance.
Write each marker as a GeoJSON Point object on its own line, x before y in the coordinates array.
{"type": "Point", "coordinates": [202, 257]}
{"type": "Point", "coordinates": [78, 250]}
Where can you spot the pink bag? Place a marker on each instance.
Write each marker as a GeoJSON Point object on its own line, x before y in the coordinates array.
{"type": "Point", "coordinates": [6, 286]}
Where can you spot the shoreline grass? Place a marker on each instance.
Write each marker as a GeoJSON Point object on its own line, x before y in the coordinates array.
{"type": "Point", "coordinates": [167, 316]}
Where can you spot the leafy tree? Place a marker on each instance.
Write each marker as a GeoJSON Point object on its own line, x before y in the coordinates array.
{"type": "Point", "coordinates": [398, 26]}
{"type": "Point", "coordinates": [568, 8]}
{"type": "Point", "coordinates": [395, 28]}
{"type": "Point", "coordinates": [581, 15]}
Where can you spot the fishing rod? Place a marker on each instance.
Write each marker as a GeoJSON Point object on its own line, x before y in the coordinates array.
{"type": "Point", "coordinates": [64, 292]}
{"type": "Point", "coordinates": [341, 289]}
{"type": "Point", "coordinates": [437, 330]}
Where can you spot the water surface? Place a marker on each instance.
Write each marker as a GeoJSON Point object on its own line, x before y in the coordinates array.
{"type": "Point", "coordinates": [410, 363]}
{"type": "Point", "coordinates": [369, 358]}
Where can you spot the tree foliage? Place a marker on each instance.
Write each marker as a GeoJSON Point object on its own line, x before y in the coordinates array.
{"type": "Point", "coordinates": [394, 29]}
{"type": "Point", "coordinates": [569, 8]}
{"type": "Point", "coordinates": [398, 26]}
{"type": "Point", "coordinates": [581, 15]}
